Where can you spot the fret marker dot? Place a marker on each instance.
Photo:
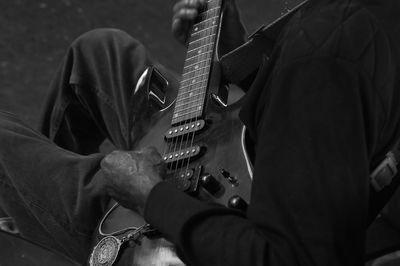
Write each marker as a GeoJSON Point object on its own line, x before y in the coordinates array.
{"type": "Point", "coordinates": [196, 67]}
{"type": "Point", "coordinates": [191, 94]}
{"type": "Point", "coordinates": [196, 29]}
{"type": "Point", "coordinates": [193, 81]}
{"type": "Point", "coordinates": [199, 51]}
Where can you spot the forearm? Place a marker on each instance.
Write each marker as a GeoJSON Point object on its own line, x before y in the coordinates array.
{"type": "Point", "coordinates": [310, 191]}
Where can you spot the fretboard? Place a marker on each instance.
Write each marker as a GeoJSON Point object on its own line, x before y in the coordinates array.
{"type": "Point", "coordinates": [193, 87]}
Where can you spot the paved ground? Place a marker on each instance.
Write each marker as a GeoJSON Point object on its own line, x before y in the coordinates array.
{"type": "Point", "coordinates": [35, 34]}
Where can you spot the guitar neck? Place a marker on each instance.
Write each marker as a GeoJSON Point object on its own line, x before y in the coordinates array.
{"type": "Point", "coordinates": [202, 42]}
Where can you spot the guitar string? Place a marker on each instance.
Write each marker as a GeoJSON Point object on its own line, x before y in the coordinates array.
{"type": "Point", "coordinates": [215, 19]}
{"type": "Point", "coordinates": [180, 138]}
{"type": "Point", "coordinates": [174, 146]}
{"type": "Point", "coordinates": [181, 164]}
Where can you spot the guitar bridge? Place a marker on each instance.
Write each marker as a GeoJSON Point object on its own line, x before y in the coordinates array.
{"type": "Point", "coordinates": [188, 180]}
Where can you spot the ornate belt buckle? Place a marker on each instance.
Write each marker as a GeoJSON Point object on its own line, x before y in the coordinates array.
{"type": "Point", "coordinates": [105, 252]}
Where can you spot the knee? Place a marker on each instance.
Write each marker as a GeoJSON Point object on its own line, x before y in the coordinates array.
{"type": "Point", "coordinates": [104, 39]}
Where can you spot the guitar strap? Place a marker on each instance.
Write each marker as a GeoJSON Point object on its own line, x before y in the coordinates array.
{"type": "Point", "coordinates": [385, 179]}
{"type": "Point", "coordinates": [239, 65]}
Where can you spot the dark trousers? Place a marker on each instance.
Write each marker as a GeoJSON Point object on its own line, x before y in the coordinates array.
{"type": "Point", "coordinates": [49, 180]}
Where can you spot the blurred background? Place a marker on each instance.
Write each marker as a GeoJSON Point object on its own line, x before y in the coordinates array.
{"type": "Point", "coordinates": [34, 36]}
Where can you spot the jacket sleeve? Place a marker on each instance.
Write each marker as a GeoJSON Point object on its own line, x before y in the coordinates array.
{"type": "Point", "coordinates": [318, 126]}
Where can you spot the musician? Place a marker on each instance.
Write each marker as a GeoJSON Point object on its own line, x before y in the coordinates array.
{"type": "Point", "coordinates": [321, 113]}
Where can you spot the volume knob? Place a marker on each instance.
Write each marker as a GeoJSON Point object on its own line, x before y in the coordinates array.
{"type": "Point", "coordinates": [209, 183]}
{"type": "Point", "coordinates": [236, 202]}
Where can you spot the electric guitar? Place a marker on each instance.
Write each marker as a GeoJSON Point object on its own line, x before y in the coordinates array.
{"type": "Point", "coordinates": [200, 138]}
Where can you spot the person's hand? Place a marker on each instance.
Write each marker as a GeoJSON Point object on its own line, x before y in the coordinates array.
{"type": "Point", "coordinates": [129, 176]}
{"type": "Point", "coordinates": [186, 11]}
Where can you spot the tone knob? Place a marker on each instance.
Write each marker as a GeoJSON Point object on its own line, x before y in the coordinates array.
{"type": "Point", "coordinates": [236, 202]}
{"type": "Point", "coordinates": [209, 183]}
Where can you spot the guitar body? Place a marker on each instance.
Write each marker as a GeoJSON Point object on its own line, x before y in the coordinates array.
{"type": "Point", "coordinates": [200, 138]}
{"type": "Point", "coordinates": [222, 151]}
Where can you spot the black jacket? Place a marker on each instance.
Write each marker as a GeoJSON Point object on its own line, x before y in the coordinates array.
{"type": "Point", "coordinates": [321, 117]}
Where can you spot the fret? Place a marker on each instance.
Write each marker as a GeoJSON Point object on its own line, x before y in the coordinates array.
{"type": "Point", "coordinates": [197, 112]}
{"type": "Point", "coordinates": [197, 31]}
{"type": "Point", "coordinates": [204, 29]}
{"type": "Point", "coordinates": [204, 65]}
{"type": "Point", "coordinates": [203, 41]}
{"type": "Point", "coordinates": [191, 96]}
{"type": "Point", "coordinates": [206, 60]}
{"type": "Point", "coordinates": [196, 71]}
{"type": "Point", "coordinates": [200, 48]}
{"type": "Point", "coordinates": [202, 38]}
{"type": "Point", "coordinates": [198, 99]}
{"type": "Point", "coordinates": [198, 102]}
{"type": "Point", "coordinates": [197, 107]}
{"type": "Point", "coordinates": [205, 24]}
{"type": "Point", "coordinates": [190, 92]}
{"type": "Point", "coordinates": [194, 45]}
{"type": "Point", "coordinates": [208, 30]}
{"type": "Point", "coordinates": [187, 117]}
{"type": "Point", "coordinates": [200, 54]}
{"type": "Point", "coordinates": [203, 46]}
{"type": "Point", "coordinates": [188, 102]}
{"type": "Point", "coordinates": [213, 10]}
{"type": "Point", "coordinates": [200, 62]}
{"type": "Point", "coordinates": [193, 80]}
{"type": "Point", "coordinates": [212, 3]}
{"type": "Point", "coordinates": [190, 87]}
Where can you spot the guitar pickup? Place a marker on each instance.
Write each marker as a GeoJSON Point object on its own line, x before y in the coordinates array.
{"type": "Point", "coordinates": [185, 154]}
{"type": "Point", "coordinates": [185, 129]}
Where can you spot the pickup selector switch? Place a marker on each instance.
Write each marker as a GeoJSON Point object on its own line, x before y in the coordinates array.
{"type": "Point", "coordinates": [233, 180]}
{"type": "Point", "coordinates": [236, 202]}
{"type": "Point", "coordinates": [209, 183]}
